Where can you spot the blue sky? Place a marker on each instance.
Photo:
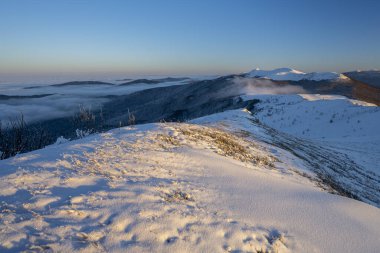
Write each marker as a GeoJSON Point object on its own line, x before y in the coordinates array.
{"type": "Point", "coordinates": [186, 37]}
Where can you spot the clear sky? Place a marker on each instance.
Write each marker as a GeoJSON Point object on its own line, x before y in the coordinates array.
{"type": "Point", "coordinates": [186, 36]}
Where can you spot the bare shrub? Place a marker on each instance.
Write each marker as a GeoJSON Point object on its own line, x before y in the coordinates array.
{"type": "Point", "coordinates": [131, 118]}
{"type": "Point", "coordinates": [17, 137]}
{"type": "Point", "coordinates": [85, 114]}
{"type": "Point", "coordinates": [84, 119]}
{"type": "Point", "coordinates": [13, 137]}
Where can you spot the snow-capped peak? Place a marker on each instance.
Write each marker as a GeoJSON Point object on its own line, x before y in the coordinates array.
{"type": "Point", "coordinates": [288, 74]}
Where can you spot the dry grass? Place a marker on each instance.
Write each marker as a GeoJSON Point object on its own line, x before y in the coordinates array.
{"type": "Point", "coordinates": [99, 161]}
{"type": "Point", "coordinates": [168, 139]}
{"type": "Point", "coordinates": [178, 196]}
{"type": "Point", "coordinates": [227, 144]}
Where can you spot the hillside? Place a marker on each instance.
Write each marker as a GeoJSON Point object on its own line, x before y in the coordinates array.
{"type": "Point", "coordinates": [371, 77]}
{"type": "Point", "coordinates": [336, 138]}
{"type": "Point", "coordinates": [236, 181]}
{"type": "Point", "coordinates": [367, 85]}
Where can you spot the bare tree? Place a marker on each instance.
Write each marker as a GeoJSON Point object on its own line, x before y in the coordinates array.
{"type": "Point", "coordinates": [131, 118]}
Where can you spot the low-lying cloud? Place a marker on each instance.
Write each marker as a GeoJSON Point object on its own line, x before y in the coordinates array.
{"type": "Point", "coordinates": [65, 101]}
{"type": "Point", "coordinates": [251, 86]}
{"type": "Point", "coordinates": [39, 109]}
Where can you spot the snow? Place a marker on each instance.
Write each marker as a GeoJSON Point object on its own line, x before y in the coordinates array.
{"type": "Point", "coordinates": [319, 117]}
{"type": "Point", "coordinates": [175, 187]}
{"type": "Point", "coordinates": [61, 140]}
{"type": "Point", "coordinates": [350, 126]}
{"type": "Point", "coordinates": [337, 137]}
{"type": "Point", "coordinates": [288, 74]}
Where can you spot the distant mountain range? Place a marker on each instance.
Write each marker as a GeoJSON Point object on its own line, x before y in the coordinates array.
{"type": "Point", "coordinates": [362, 85]}
{"type": "Point", "coordinates": [288, 74]}
{"type": "Point", "coordinates": [155, 81]}
{"type": "Point", "coordinates": [82, 83]}
{"type": "Point", "coordinates": [129, 82]}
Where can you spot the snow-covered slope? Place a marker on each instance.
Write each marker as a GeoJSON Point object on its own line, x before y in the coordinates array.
{"type": "Point", "coordinates": [288, 74]}
{"type": "Point", "coordinates": [338, 137]}
{"type": "Point", "coordinates": [318, 117]}
{"type": "Point", "coordinates": [175, 188]}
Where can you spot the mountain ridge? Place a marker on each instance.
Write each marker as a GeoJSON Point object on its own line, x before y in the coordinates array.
{"type": "Point", "coordinates": [289, 74]}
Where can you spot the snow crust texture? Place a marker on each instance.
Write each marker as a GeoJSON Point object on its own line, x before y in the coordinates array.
{"type": "Point", "coordinates": [132, 190]}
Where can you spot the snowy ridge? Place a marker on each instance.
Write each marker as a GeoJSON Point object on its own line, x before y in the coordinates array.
{"type": "Point", "coordinates": [288, 74]}
{"type": "Point", "coordinates": [174, 188]}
